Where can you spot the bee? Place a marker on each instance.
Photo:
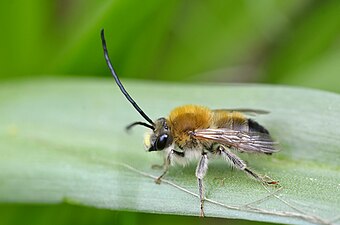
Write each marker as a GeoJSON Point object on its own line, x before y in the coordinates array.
{"type": "Point", "coordinates": [197, 132]}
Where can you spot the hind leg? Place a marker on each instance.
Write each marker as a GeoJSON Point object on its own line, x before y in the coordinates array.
{"type": "Point", "coordinates": [238, 163]}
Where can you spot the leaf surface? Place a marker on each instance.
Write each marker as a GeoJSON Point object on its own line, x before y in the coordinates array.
{"type": "Point", "coordinates": [63, 140]}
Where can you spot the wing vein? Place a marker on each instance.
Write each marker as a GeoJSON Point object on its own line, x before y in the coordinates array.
{"type": "Point", "coordinates": [241, 140]}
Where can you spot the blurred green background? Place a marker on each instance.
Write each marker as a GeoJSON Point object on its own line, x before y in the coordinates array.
{"type": "Point", "coordinates": [279, 42]}
{"type": "Point", "coordinates": [282, 42]}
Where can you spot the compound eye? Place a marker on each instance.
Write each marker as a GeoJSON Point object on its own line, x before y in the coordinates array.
{"type": "Point", "coordinates": [161, 142]}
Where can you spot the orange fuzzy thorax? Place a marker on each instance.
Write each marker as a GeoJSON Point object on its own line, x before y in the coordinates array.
{"type": "Point", "coordinates": [188, 118]}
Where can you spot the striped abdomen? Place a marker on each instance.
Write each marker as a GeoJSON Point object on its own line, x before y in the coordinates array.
{"type": "Point", "coordinates": [234, 120]}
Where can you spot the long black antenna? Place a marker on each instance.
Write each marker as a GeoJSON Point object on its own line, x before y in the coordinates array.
{"type": "Point", "coordinates": [120, 85]}
{"type": "Point", "coordinates": [139, 123]}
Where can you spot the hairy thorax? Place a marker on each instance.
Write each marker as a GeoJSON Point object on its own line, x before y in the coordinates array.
{"type": "Point", "coordinates": [186, 119]}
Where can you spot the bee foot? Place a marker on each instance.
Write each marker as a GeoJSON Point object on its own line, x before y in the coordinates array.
{"type": "Point", "coordinates": [268, 181]}
{"type": "Point", "coordinates": [202, 209]}
{"type": "Point", "coordinates": [202, 214]}
{"type": "Point", "coordinates": [158, 181]}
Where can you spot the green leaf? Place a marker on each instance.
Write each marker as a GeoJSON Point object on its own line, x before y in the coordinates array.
{"type": "Point", "coordinates": [63, 140]}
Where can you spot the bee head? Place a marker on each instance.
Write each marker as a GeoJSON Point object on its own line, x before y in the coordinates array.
{"type": "Point", "coordinates": [160, 138]}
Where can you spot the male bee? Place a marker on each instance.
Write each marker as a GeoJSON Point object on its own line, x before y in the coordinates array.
{"type": "Point", "coordinates": [196, 132]}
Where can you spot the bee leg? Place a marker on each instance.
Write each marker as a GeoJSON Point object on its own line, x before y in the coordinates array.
{"type": "Point", "coordinates": [201, 170]}
{"type": "Point", "coordinates": [167, 163]}
{"type": "Point", "coordinates": [235, 161]}
{"type": "Point", "coordinates": [157, 166]}
{"type": "Point", "coordinates": [263, 179]}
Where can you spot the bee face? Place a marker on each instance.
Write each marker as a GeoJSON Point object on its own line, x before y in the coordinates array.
{"type": "Point", "coordinates": [160, 138]}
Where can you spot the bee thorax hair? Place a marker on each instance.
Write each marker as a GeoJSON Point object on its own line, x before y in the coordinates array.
{"type": "Point", "coordinates": [185, 119]}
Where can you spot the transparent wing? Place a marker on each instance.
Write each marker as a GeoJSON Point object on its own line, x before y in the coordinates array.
{"type": "Point", "coordinates": [241, 140]}
{"type": "Point", "coordinates": [250, 112]}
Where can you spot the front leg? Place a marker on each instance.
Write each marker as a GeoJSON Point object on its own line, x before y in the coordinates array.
{"type": "Point", "coordinates": [159, 166]}
{"type": "Point", "coordinates": [167, 163]}
{"type": "Point", "coordinates": [201, 170]}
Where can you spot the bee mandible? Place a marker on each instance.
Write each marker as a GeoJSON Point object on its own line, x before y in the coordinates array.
{"type": "Point", "coordinates": [196, 132]}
